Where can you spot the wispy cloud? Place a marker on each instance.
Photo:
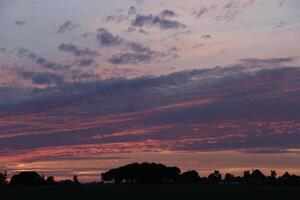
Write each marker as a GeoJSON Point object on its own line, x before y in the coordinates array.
{"type": "Point", "coordinates": [22, 52]}
{"type": "Point", "coordinates": [67, 27]}
{"type": "Point", "coordinates": [71, 48]}
{"type": "Point", "coordinates": [152, 20]}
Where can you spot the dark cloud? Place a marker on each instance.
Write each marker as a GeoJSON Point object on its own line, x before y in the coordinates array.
{"type": "Point", "coordinates": [179, 33]}
{"type": "Point", "coordinates": [79, 77]}
{"type": "Point", "coordinates": [264, 151]}
{"type": "Point", "coordinates": [140, 54]}
{"type": "Point", "coordinates": [226, 12]}
{"type": "Point", "coordinates": [71, 48]}
{"type": "Point", "coordinates": [132, 10]}
{"type": "Point", "coordinates": [118, 18]}
{"type": "Point", "coordinates": [282, 2]}
{"type": "Point", "coordinates": [280, 25]}
{"type": "Point", "coordinates": [19, 23]}
{"type": "Point", "coordinates": [43, 78]}
{"type": "Point", "coordinates": [143, 31]}
{"type": "Point", "coordinates": [86, 62]}
{"type": "Point", "coordinates": [198, 45]}
{"type": "Point", "coordinates": [271, 62]}
{"type": "Point", "coordinates": [137, 47]}
{"type": "Point", "coordinates": [131, 58]}
{"type": "Point", "coordinates": [41, 60]}
{"type": "Point", "coordinates": [105, 38]}
{"type": "Point", "coordinates": [3, 50]}
{"type": "Point", "coordinates": [140, 30]}
{"type": "Point", "coordinates": [137, 52]}
{"type": "Point", "coordinates": [233, 9]}
{"type": "Point", "coordinates": [46, 63]}
{"type": "Point", "coordinates": [167, 13]}
{"type": "Point", "coordinates": [67, 27]}
{"type": "Point", "coordinates": [87, 34]}
{"type": "Point", "coordinates": [12, 94]}
{"type": "Point", "coordinates": [139, 1]}
{"type": "Point", "coordinates": [199, 13]}
{"type": "Point", "coordinates": [151, 20]}
{"type": "Point", "coordinates": [207, 36]}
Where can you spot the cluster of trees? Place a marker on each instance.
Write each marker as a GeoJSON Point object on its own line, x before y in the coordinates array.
{"type": "Point", "coordinates": [142, 173]}
{"type": "Point", "coordinates": [159, 173]}
{"type": "Point", "coordinates": [32, 178]}
{"type": "Point", "coordinates": [152, 173]}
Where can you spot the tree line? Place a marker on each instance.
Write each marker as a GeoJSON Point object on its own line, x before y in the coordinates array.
{"type": "Point", "coordinates": [154, 173]}
{"type": "Point", "coordinates": [161, 174]}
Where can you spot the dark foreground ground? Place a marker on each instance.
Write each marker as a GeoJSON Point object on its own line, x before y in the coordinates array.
{"type": "Point", "coordinates": [153, 192]}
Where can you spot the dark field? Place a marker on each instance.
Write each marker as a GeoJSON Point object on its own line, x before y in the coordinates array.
{"type": "Point", "coordinates": [153, 192]}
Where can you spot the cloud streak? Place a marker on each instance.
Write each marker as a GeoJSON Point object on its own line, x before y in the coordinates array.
{"type": "Point", "coordinates": [152, 20]}
{"type": "Point", "coordinates": [41, 60]}
{"type": "Point", "coordinates": [71, 48]}
{"type": "Point", "coordinates": [68, 26]}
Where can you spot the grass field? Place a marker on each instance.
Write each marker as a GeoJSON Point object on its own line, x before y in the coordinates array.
{"type": "Point", "coordinates": [153, 192]}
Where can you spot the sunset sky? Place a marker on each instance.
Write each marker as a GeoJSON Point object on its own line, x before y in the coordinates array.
{"type": "Point", "coordinates": [86, 86]}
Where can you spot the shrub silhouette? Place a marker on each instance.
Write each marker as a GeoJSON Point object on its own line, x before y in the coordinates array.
{"type": "Point", "coordinates": [27, 179]}
{"type": "Point", "coordinates": [73, 182]}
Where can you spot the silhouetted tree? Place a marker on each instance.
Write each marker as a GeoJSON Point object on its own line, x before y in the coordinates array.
{"type": "Point", "coordinates": [215, 177]}
{"type": "Point", "coordinates": [142, 173]}
{"type": "Point", "coordinates": [76, 180]}
{"type": "Point", "coordinates": [229, 178]}
{"type": "Point", "coordinates": [190, 177]}
{"type": "Point", "coordinates": [50, 180]}
{"type": "Point", "coordinates": [27, 179]}
{"type": "Point", "coordinates": [287, 179]}
{"type": "Point", "coordinates": [246, 174]}
{"type": "Point", "coordinates": [271, 180]}
{"type": "Point", "coordinates": [3, 179]}
{"type": "Point", "coordinates": [273, 174]}
{"type": "Point", "coordinates": [257, 177]}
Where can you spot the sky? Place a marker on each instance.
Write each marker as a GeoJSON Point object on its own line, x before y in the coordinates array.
{"type": "Point", "coordinates": [86, 86]}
